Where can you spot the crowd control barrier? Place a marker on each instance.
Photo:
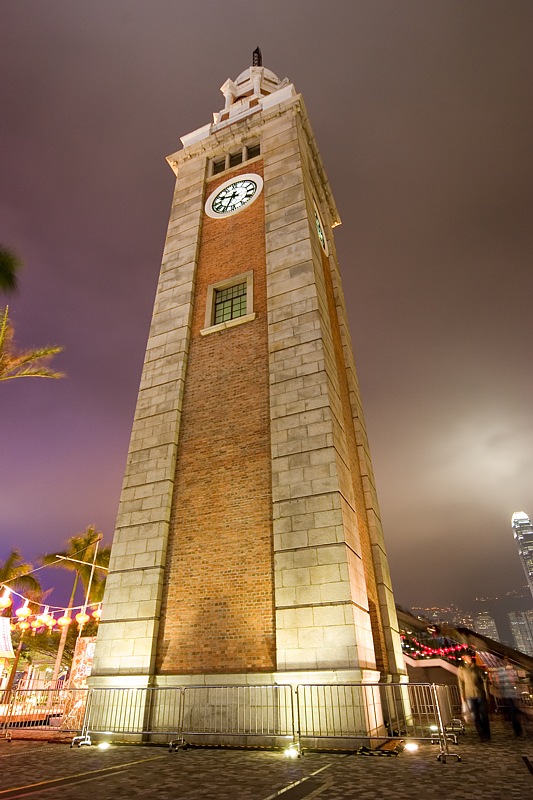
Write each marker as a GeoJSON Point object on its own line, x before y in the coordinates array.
{"type": "Point", "coordinates": [238, 715]}
{"type": "Point", "coordinates": [339, 716]}
{"type": "Point", "coordinates": [344, 713]}
{"type": "Point", "coordinates": [133, 714]}
{"type": "Point", "coordinates": [43, 710]}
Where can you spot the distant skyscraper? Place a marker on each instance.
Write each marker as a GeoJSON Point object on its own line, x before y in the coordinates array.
{"type": "Point", "coordinates": [522, 630]}
{"type": "Point", "coordinates": [485, 624]}
{"type": "Point", "coordinates": [464, 619]}
{"type": "Point", "coordinates": [523, 533]}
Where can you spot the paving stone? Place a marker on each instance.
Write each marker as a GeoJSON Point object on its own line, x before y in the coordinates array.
{"type": "Point", "coordinates": [491, 771]}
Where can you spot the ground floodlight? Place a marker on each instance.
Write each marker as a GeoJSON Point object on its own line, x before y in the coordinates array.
{"type": "Point", "coordinates": [104, 746]}
{"type": "Point", "coordinates": [292, 751]}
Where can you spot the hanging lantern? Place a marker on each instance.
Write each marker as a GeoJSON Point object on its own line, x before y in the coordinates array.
{"type": "Point", "coordinates": [23, 625]}
{"type": "Point", "coordinates": [65, 620]}
{"type": "Point", "coordinates": [45, 617]}
{"type": "Point", "coordinates": [35, 624]}
{"type": "Point", "coordinates": [82, 617]}
{"type": "Point", "coordinates": [5, 598]}
{"type": "Point", "coordinates": [97, 613]}
{"type": "Point", "coordinates": [24, 611]}
{"type": "Point", "coordinates": [50, 623]}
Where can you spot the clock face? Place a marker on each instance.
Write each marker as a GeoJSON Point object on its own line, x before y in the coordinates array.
{"type": "Point", "coordinates": [233, 195]}
{"type": "Point", "coordinates": [320, 232]}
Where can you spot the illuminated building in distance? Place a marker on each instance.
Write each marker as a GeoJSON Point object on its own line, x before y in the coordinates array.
{"type": "Point", "coordinates": [484, 624]}
{"type": "Point", "coordinates": [521, 623]}
{"type": "Point", "coordinates": [523, 533]}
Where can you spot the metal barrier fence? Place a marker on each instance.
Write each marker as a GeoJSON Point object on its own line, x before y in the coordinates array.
{"type": "Point", "coordinates": [42, 709]}
{"type": "Point", "coordinates": [343, 713]}
{"type": "Point", "coordinates": [242, 714]}
{"type": "Point", "coordinates": [454, 697]}
{"type": "Point", "coordinates": [132, 712]}
{"type": "Point", "coordinates": [342, 716]}
{"type": "Point", "coordinates": [245, 713]}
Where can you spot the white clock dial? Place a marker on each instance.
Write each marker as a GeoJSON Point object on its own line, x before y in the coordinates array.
{"type": "Point", "coordinates": [233, 195]}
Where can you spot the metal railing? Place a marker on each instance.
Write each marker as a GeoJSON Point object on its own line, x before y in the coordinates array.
{"type": "Point", "coordinates": [240, 714]}
{"type": "Point", "coordinates": [135, 713]}
{"type": "Point", "coordinates": [239, 711]}
{"type": "Point", "coordinates": [343, 713]}
{"type": "Point", "coordinates": [342, 716]}
{"type": "Point", "coordinates": [42, 709]}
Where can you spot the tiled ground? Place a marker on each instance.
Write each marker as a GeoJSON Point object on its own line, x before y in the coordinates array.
{"type": "Point", "coordinates": [490, 771]}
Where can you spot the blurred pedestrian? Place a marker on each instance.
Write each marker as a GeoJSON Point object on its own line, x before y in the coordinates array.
{"type": "Point", "coordinates": [507, 689]}
{"type": "Point", "coordinates": [473, 689]}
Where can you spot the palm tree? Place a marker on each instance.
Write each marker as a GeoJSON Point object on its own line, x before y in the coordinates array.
{"type": "Point", "coordinates": [10, 264]}
{"type": "Point", "coordinates": [27, 363]}
{"type": "Point", "coordinates": [15, 573]}
{"type": "Point", "coordinates": [81, 548]}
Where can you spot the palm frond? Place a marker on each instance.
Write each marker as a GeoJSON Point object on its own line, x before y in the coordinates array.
{"type": "Point", "coordinates": [10, 264]}
{"type": "Point", "coordinates": [16, 574]}
{"type": "Point", "coordinates": [26, 363]}
{"type": "Point", "coordinates": [81, 547]}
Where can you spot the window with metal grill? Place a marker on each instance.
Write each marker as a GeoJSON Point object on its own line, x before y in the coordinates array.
{"type": "Point", "coordinates": [231, 160]}
{"type": "Point", "coordinates": [230, 303]}
{"type": "Point", "coordinates": [253, 150]}
{"type": "Point", "coordinates": [235, 159]}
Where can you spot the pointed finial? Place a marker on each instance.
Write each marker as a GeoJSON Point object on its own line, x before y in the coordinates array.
{"type": "Point", "coordinates": [257, 58]}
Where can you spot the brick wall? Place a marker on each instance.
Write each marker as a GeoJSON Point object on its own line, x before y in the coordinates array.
{"type": "Point", "coordinates": [217, 612]}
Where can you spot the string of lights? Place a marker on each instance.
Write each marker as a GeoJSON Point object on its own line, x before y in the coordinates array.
{"type": "Point", "coordinates": [416, 649]}
{"type": "Point", "coordinates": [25, 618]}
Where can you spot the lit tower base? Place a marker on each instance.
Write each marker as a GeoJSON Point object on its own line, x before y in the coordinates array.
{"type": "Point", "coordinates": [248, 546]}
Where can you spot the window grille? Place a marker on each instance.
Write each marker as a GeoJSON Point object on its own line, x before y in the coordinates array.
{"type": "Point", "coordinates": [229, 303]}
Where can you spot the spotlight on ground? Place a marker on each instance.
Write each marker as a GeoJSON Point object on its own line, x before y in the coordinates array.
{"type": "Point", "coordinates": [292, 751]}
{"type": "Point", "coordinates": [412, 747]}
{"type": "Point", "coordinates": [104, 746]}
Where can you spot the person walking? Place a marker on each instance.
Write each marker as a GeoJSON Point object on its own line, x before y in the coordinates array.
{"type": "Point", "coordinates": [506, 685]}
{"type": "Point", "coordinates": [473, 690]}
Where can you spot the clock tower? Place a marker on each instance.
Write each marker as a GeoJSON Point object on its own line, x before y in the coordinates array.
{"type": "Point", "coordinates": [248, 545]}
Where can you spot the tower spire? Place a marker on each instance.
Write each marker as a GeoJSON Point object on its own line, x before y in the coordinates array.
{"type": "Point", "coordinates": [257, 58]}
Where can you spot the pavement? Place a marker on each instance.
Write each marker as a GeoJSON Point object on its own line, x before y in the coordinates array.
{"type": "Point", "coordinates": [500, 769]}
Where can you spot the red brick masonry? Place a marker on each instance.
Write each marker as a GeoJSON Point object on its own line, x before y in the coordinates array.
{"type": "Point", "coordinates": [218, 606]}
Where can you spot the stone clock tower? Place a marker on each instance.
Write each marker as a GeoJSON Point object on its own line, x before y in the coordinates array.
{"type": "Point", "coordinates": [248, 545]}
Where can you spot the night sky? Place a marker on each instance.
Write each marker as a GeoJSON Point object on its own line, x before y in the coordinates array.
{"type": "Point", "coordinates": [423, 115]}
